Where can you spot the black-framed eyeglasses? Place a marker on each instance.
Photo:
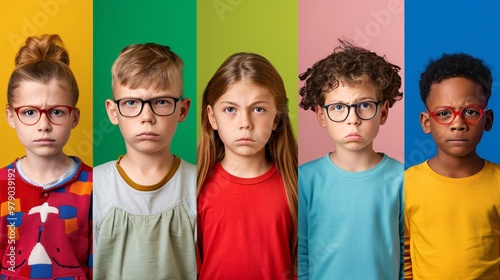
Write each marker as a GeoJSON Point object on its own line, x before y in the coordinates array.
{"type": "Point", "coordinates": [338, 112]}
{"type": "Point", "coordinates": [30, 115]}
{"type": "Point", "coordinates": [445, 115]}
{"type": "Point", "coordinates": [161, 106]}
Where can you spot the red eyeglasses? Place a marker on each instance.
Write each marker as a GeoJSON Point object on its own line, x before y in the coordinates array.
{"type": "Point", "coordinates": [471, 114]}
{"type": "Point", "coordinates": [30, 115]}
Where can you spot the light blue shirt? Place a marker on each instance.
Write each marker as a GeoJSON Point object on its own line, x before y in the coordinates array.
{"type": "Point", "coordinates": [351, 224]}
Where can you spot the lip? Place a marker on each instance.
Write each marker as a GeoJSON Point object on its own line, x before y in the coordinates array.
{"type": "Point", "coordinates": [148, 135]}
{"type": "Point", "coordinates": [245, 140]}
{"type": "Point", "coordinates": [457, 142]}
{"type": "Point", "coordinates": [44, 141]}
{"type": "Point", "coordinates": [353, 136]}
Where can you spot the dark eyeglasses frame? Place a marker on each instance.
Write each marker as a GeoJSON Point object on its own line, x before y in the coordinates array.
{"type": "Point", "coordinates": [117, 101]}
{"type": "Point", "coordinates": [355, 105]}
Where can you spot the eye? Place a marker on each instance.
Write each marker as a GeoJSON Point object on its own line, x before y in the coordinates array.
{"type": "Point", "coordinates": [56, 112]}
{"type": "Point", "coordinates": [365, 105]}
{"type": "Point", "coordinates": [29, 112]}
{"type": "Point", "coordinates": [229, 110]}
{"type": "Point", "coordinates": [337, 107]}
{"type": "Point", "coordinates": [443, 113]}
{"type": "Point", "coordinates": [163, 102]}
{"type": "Point", "coordinates": [259, 110]}
{"type": "Point", "coordinates": [129, 102]}
{"type": "Point", "coordinates": [471, 112]}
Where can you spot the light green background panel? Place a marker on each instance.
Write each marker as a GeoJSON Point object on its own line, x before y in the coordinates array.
{"type": "Point", "coordinates": [119, 23]}
{"type": "Point", "coordinates": [268, 28]}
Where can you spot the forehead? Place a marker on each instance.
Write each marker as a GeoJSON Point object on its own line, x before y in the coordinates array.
{"type": "Point", "coordinates": [345, 93]}
{"type": "Point", "coordinates": [456, 92]}
{"type": "Point", "coordinates": [245, 92]}
{"type": "Point", "coordinates": [121, 91]}
{"type": "Point", "coordinates": [41, 95]}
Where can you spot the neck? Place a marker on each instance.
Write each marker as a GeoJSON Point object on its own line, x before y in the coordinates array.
{"type": "Point", "coordinates": [146, 169]}
{"type": "Point", "coordinates": [43, 170]}
{"type": "Point", "coordinates": [355, 161]}
{"type": "Point", "coordinates": [456, 167]}
{"type": "Point", "coordinates": [245, 167]}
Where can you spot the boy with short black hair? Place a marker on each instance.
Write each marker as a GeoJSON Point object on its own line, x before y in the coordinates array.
{"type": "Point", "coordinates": [351, 223]}
{"type": "Point", "coordinates": [145, 202]}
{"type": "Point", "coordinates": [452, 201]}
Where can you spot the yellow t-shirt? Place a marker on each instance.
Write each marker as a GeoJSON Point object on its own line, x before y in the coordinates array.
{"type": "Point", "coordinates": [452, 225]}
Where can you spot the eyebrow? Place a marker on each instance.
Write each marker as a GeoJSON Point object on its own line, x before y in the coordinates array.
{"type": "Point", "coordinates": [164, 96]}
{"type": "Point", "coordinates": [355, 100]}
{"type": "Point", "coordinates": [251, 104]}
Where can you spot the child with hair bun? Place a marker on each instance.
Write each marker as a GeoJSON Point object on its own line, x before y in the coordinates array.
{"type": "Point", "coordinates": [45, 196]}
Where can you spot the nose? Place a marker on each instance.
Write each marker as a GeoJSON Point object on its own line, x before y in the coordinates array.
{"type": "Point", "coordinates": [147, 114]}
{"type": "Point", "coordinates": [458, 123]}
{"type": "Point", "coordinates": [352, 117]}
{"type": "Point", "coordinates": [43, 123]}
{"type": "Point", "coordinates": [245, 121]}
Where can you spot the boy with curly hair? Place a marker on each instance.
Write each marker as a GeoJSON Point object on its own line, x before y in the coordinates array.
{"type": "Point", "coordinates": [351, 223]}
{"type": "Point", "coordinates": [452, 201]}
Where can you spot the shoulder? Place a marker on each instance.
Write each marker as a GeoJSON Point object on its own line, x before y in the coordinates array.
{"type": "Point", "coordinates": [7, 171]}
{"type": "Point", "coordinates": [393, 165]}
{"type": "Point", "coordinates": [105, 168]}
{"type": "Point", "coordinates": [313, 166]}
{"type": "Point", "coordinates": [187, 167]}
{"type": "Point", "coordinates": [416, 170]}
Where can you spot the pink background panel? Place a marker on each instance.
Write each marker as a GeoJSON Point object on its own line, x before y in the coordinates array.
{"type": "Point", "coordinates": [377, 25]}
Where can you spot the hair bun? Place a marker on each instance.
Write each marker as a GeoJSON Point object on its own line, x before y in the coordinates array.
{"type": "Point", "coordinates": [44, 48]}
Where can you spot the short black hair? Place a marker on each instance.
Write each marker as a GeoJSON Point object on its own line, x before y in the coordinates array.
{"type": "Point", "coordinates": [456, 65]}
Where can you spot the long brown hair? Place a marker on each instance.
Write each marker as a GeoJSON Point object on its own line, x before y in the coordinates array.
{"type": "Point", "coordinates": [281, 148]}
{"type": "Point", "coordinates": [41, 60]}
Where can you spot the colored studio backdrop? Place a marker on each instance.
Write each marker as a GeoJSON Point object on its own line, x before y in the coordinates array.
{"type": "Point", "coordinates": [121, 23]}
{"type": "Point", "coordinates": [268, 28]}
{"type": "Point", "coordinates": [72, 20]}
{"type": "Point", "coordinates": [374, 25]}
{"type": "Point", "coordinates": [461, 27]}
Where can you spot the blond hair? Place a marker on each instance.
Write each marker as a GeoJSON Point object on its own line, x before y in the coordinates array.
{"type": "Point", "coordinates": [148, 66]}
{"type": "Point", "coordinates": [41, 60]}
{"type": "Point", "coordinates": [281, 148]}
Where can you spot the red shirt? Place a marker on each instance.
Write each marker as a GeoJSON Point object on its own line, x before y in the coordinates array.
{"type": "Point", "coordinates": [244, 227]}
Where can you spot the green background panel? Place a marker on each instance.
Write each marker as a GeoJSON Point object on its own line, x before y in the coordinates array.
{"type": "Point", "coordinates": [268, 28]}
{"type": "Point", "coordinates": [124, 22]}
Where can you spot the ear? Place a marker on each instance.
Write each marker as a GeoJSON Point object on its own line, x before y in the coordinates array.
{"type": "Point", "coordinates": [425, 122]}
{"type": "Point", "coordinates": [185, 104]}
{"type": "Point", "coordinates": [384, 113]}
{"type": "Point", "coordinates": [211, 117]}
{"type": "Point", "coordinates": [10, 116]}
{"type": "Point", "coordinates": [489, 120]}
{"type": "Point", "coordinates": [112, 111]}
{"type": "Point", "coordinates": [277, 119]}
{"type": "Point", "coordinates": [76, 118]}
{"type": "Point", "coordinates": [321, 116]}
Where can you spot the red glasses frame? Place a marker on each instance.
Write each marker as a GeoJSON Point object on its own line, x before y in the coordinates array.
{"type": "Point", "coordinates": [457, 113]}
{"type": "Point", "coordinates": [44, 111]}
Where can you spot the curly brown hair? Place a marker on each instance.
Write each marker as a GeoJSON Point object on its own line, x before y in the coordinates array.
{"type": "Point", "coordinates": [353, 66]}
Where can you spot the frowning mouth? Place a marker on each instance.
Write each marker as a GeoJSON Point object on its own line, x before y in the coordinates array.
{"type": "Point", "coordinates": [353, 136]}
{"type": "Point", "coordinates": [148, 136]}
{"type": "Point", "coordinates": [245, 140]}
{"type": "Point", "coordinates": [44, 140]}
